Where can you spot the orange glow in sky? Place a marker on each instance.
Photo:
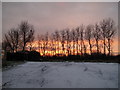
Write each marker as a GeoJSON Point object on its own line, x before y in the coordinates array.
{"type": "Point", "coordinates": [50, 50]}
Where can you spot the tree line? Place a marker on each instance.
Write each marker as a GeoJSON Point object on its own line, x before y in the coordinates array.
{"type": "Point", "coordinates": [81, 40]}
{"type": "Point", "coordinates": [93, 38]}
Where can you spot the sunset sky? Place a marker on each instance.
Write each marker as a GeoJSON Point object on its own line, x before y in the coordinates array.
{"type": "Point", "coordinates": [49, 16]}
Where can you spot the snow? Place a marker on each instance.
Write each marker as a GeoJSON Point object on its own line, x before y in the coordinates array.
{"type": "Point", "coordinates": [61, 75]}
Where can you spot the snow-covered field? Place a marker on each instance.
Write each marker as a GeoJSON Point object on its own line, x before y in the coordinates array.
{"type": "Point", "coordinates": [61, 75]}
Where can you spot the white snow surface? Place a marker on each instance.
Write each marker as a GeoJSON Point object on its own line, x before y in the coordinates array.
{"type": "Point", "coordinates": [61, 75]}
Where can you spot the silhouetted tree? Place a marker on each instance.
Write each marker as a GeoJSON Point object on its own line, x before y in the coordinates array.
{"type": "Point", "coordinates": [110, 32]}
{"type": "Point", "coordinates": [31, 43]}
{"type": "Point", "coordinates": [39, 42]}
{"type": "Point", "coordinates": [26, 32]}
{"type": "Point", "coordinates": [5, 45]}
{"type": "Point", "coordinates": [77, 36]}
{"type": "Point", "coordinates": [89, 35]}
{"type": "Point", "coordinates": [53, 47]}
{"type": "Point", "coordinates": [11, 39]}
{"type": "Point", "coordinates": [57, 40]}
{"type": "Point", "coordinates": [82, 44]}
{"type": "Point", "coordinates": [97, 36]}
{"type": "Point", "coordinates": [43, 44]}
{"type": "Point", "coordinates": [46, 41]}
{"type": "Point", "coordinates": [6, 48]}
{"type": "Point", "coordinates": [68, 40]}
{"type": "Point", "coordinates": [103, 26]}
{"type": "Point", "coordinates": [73, 40]}
{"type": "Point", "coordinates": [63, 39]}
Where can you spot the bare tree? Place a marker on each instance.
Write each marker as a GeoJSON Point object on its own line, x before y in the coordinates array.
{"type": "Point", "coordinates": [68, 40]}
{"type": "Point", "coordinates": [5, 46]}
{"type": "Point", "coordinates": [82, 44]}
{"type": "Point", "coordinates": [39, 42]}
{"type": "Point", "coordinates": [57, 40]}
{"type": "Point", "coordinates": [97, 36]}
{"type": "Point", "coordinates": [53, 47]}
{"type": "Point", "coordinates": [12, 39]}
{"type": "Point", "coordinates": [46, 41]}
{"type": "Point", "coordinates": [73, 41]}
{"type": "Point", "coordinates": [77, 36]}
{"type": "Point", "coordinates": [88, 36]}
{"type": "Point", "coordinates": [63, 39]}
{"type": "Point", "coordinates": [103, 26]}
{"type": "Point", "coordinates": [43, 44]}
{"type": "Point", "coordinates": [110, 32]}
{"type": "Point", "coordinates": [31, 43]}
{"type": "Point", "coordinates": [26, 32]}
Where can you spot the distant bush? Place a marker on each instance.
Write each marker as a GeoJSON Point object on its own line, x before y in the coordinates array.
{"type": "Point", "coordinates": [23, 55]}
{"type": "Point", "coordinates": [33, 55]}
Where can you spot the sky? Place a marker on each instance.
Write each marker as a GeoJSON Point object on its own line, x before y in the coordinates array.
{"type": "Point", "coordinates": [51, 16]}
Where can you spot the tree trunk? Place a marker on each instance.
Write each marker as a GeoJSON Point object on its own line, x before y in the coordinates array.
{"type": "Point", "coordinates": [97, 46]}
{"type": "Point", "coordinates": [90, 47]}
{"type": "Point", "coordinates": [78, 47]}
{"type": "Point", "coordinates": [104, 47]}
{"type": "Point", "coordinates": [109, 47]}
{"type": "Point", "coordinates": [81, 47]}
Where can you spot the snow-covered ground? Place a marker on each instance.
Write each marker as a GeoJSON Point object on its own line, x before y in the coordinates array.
{"type": "Point", "coordinates": [61, 75]}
